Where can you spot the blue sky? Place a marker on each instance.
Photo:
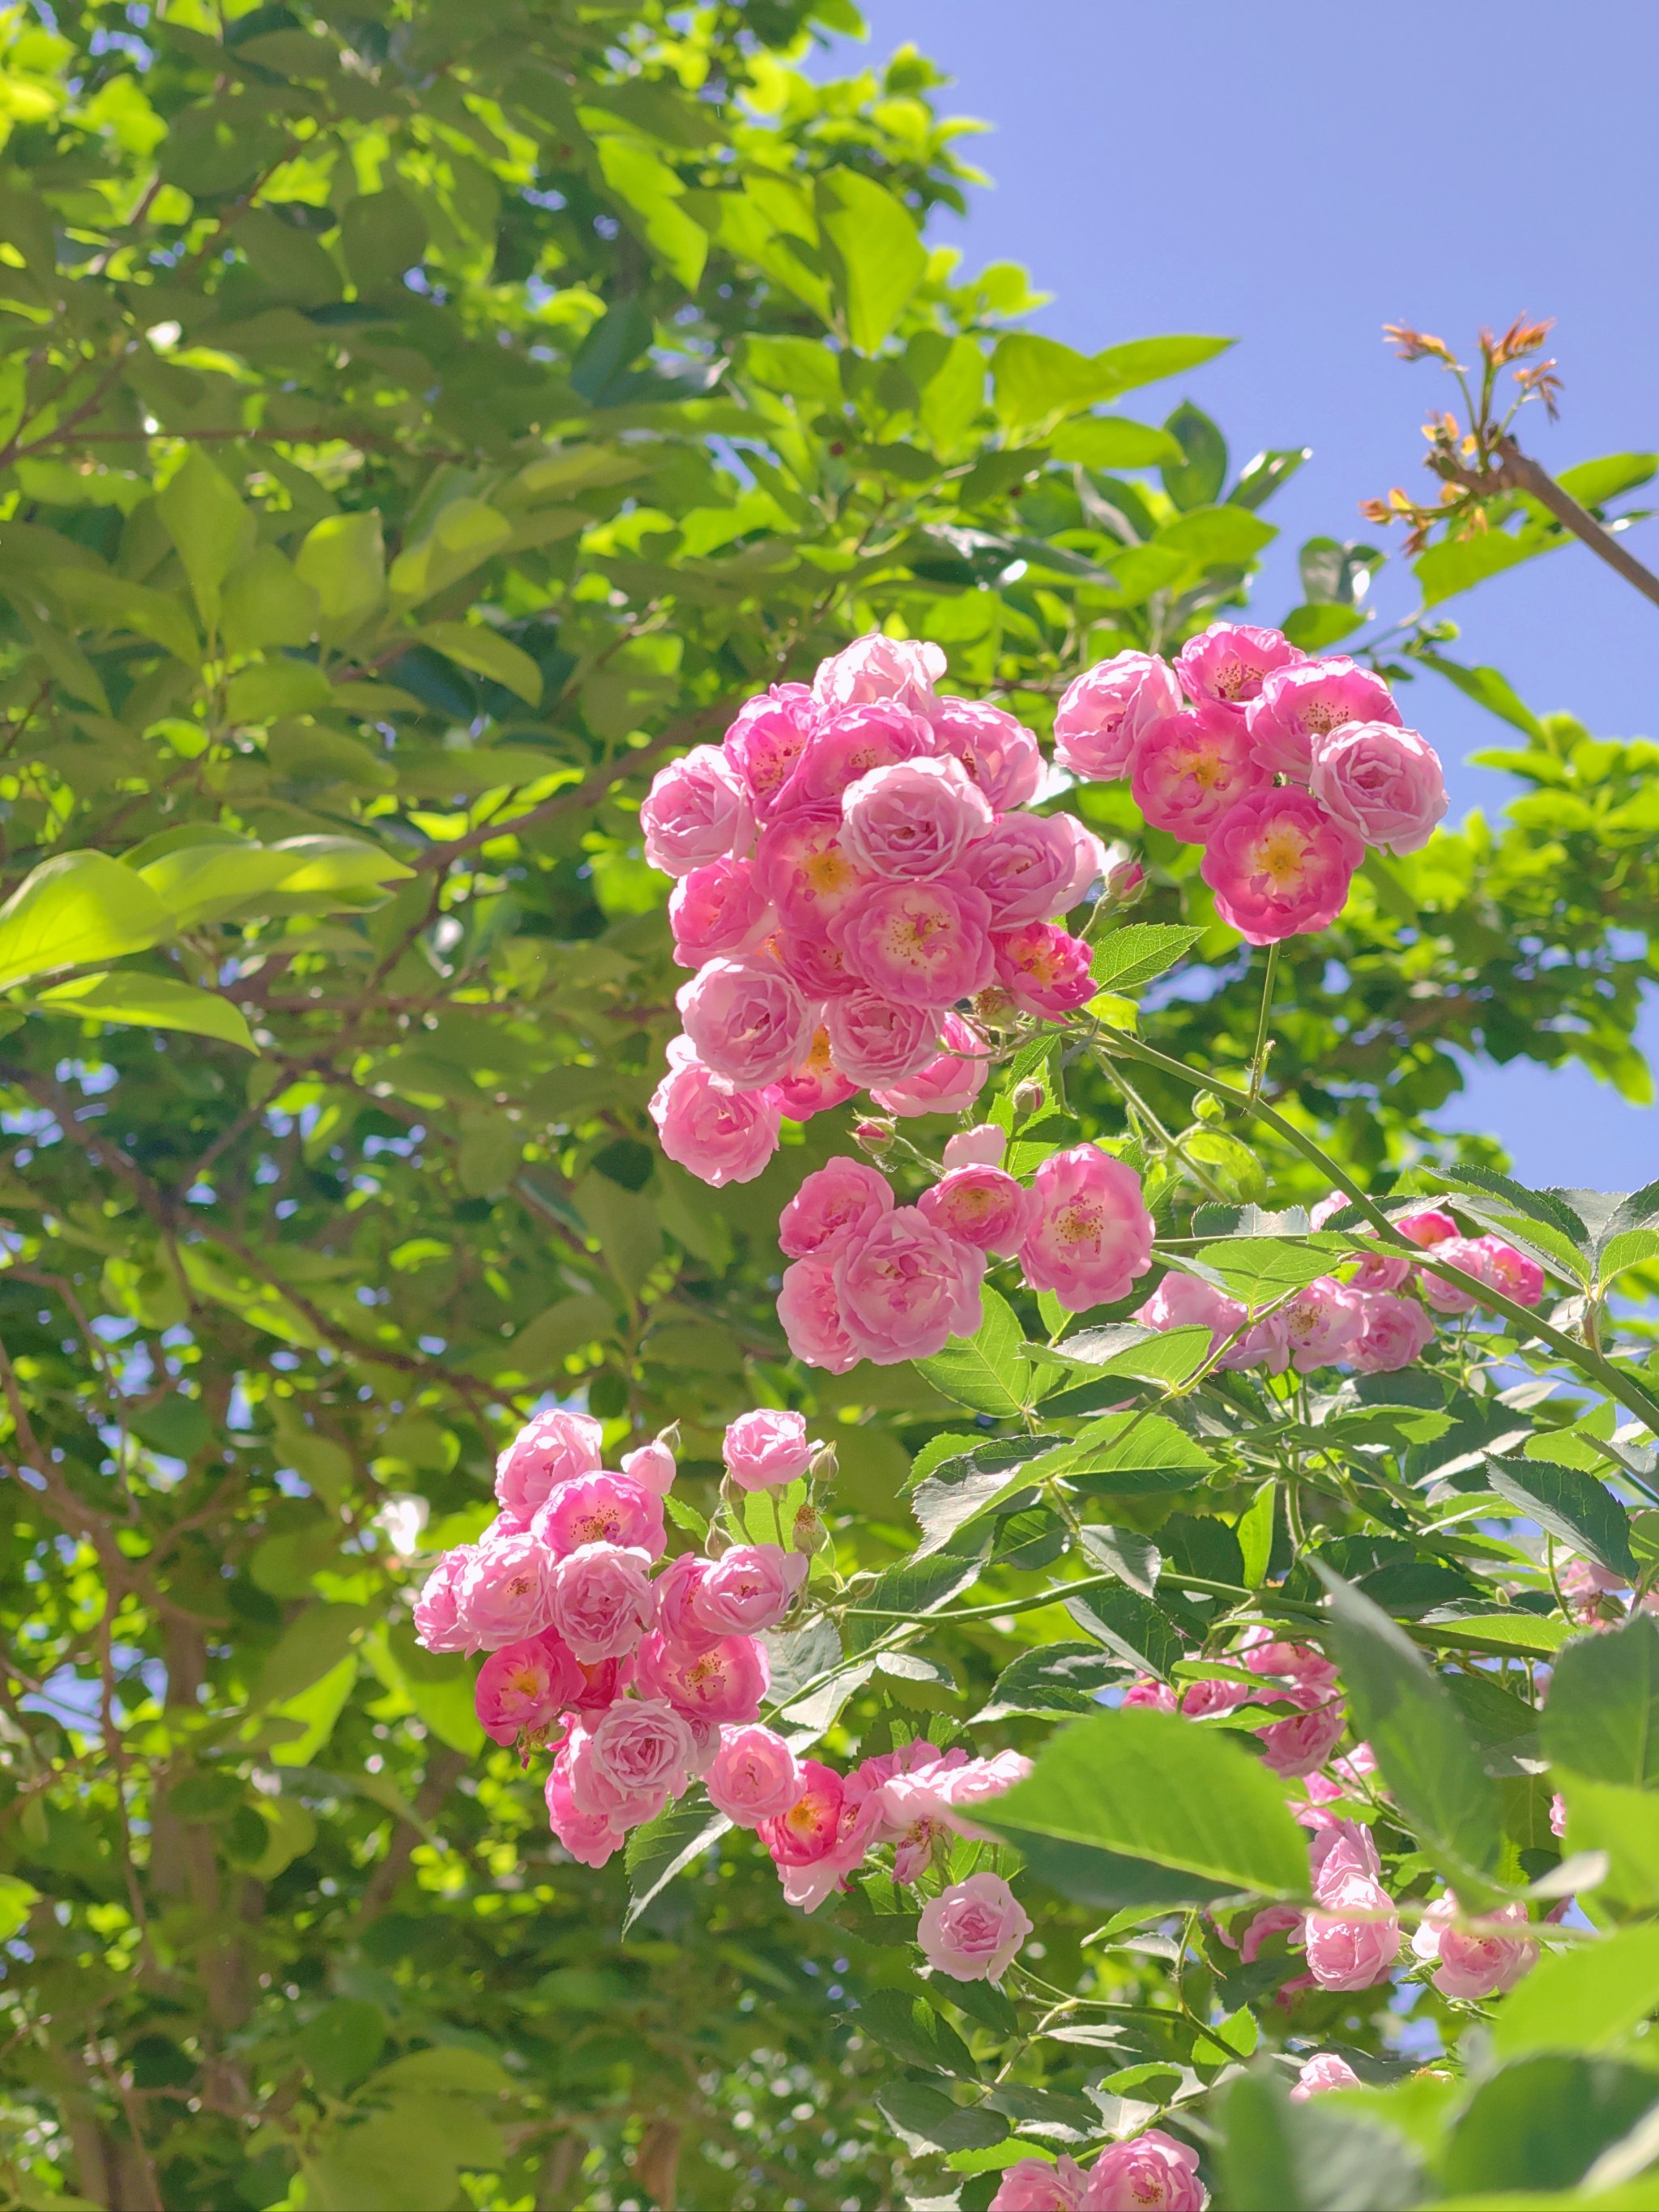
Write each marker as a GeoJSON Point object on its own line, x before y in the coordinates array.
{"type": "Point", "coordinates": [1294, 175]}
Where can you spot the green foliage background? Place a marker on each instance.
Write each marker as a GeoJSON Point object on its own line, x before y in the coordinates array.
{"type": "Point", "coordinates": [417, 423]}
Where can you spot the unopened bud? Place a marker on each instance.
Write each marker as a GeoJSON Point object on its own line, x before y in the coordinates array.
{"type": "Point", "coordinates": [1126, 882]}
{"type": "Point", "coordinates": [1209, 1108]}
{"type": "Point", "coordinates": [995, 1008]}
{"type": "Point", "coordinates": [825, 1465]}
{"type": "Point", "coordinates": [1029, 1097]}
{"type": "Point", "coordinates": [873, 1136]}
{"type": "Point", "coordinates": [808, 1534]}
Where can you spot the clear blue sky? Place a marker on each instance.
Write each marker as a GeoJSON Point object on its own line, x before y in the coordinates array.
{"type": "Point", "coordinates": [1295, 174]}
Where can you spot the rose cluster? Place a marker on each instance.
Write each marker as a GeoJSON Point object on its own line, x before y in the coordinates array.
{"type": "Point", "coordinates": [1149, 2173]}
{"type": "Point", "coordinates": [1368, 1322]}
{"type": "Point", "coordinates": [870, 1279]}
{"type": "Point", "coordinates": [1283, 766]}
{"type": "Point", "coordinates": [854, 861]}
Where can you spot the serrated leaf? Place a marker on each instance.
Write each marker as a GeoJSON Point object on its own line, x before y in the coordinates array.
{"type": "Point", "coordinates": [1570, 1505]}
{"type": "Point", "coordinates": [1137, 952]}
{"type": "Point", "coordinates": [914, 2032]}
{"type": "Point", "coordinates": [987, 1371]}
{"type": "Point", "coordinates": [961, 1490]}
{"type": "Point", "coordinates": [1601, 1716]}
{"type": "Point", "coordinates": [664, 1847]}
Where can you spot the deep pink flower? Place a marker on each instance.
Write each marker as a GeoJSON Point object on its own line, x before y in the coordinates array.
{"type": "Point", "coordinates": [816, 1844]}
{"type": "Point", "coordinates": [1426, 1229]}
{"type": "Point", "coordinates": [1147, 1690]}
{"type": "Point", "coordinates": [753, 1777]}
{"type": "Point", "coordinates": [972, 1930]}
{"type": "Point", "coordinates": [1299, 705]}
{"type": "Point", "coordinates": [1279, 867]}
{"type": "Point", "coordinates": [835, 1200]}
{"type": "Point", "coordinates": [635, 1758]}
{"type": "Point", "coordinates": [525, 1686]}
{"type": "Point", "coordinates": [589, 1837]}
{"type": "Point", "coordinates": [877, 667]}
{"type": "Point", "coordinates": [718, 1133]}
{"type": "Point", "coordinates": [905, 1288]}
{"type": "Point", "coordinates": [1108, 709]}
{"type": "Point", "coordinates": [815, 1084]}
{"type": "Point", "coordinates": [1092, 1235]}
{"type": "Point", "coordinates": [812, 963]}
{"type": "Point", "coordinates": [1322, 2072]}
{"type": "Point", "coordinates": [913, 819]}
{"type": "Point", "coordinates": [1034, 2186]}
{"type": "Point", "coordinates": [1516, 1275]}
{"type": "Point", "coordinates": [999, 753]}
{"type": "Point", "coordinates": [437, 1623]}
{"type": "Point", "coordinates": [601, 1508]}
{"type": "Point", "coordinates": [717, 909]}
{"type": "Point", "coordinates": [1033, 867]}
{"type": "Point", "coordinates": [747, 1020]}
{"type": "Point", "coordinates": [853, 741]}
{"type": "Point", "coordinates": [874, 1040]}
{"type": "Point", "coordinates": [749, 1589]}
{"type": "Point", "coordinates": [1447, 1296]}
{"type": "Point", "coordinates": [602, 1601]}
{"type": "Point", "coordinates": [1226, 665]}
{"type": "Point", "coordinates": [1393, 1334]}
{"type": "Point", "coordinates": [918, 944]}
{"type": "Point", "coordinates": [1043, 968]}
{"type": "Point", "coordinates": [981, 1206]}
{"type": "Point", "coordinates": [1378, 1270]}
{"type": "Point", "coordinates": [722, 1683]}
{"type": "Point", "coordinates": [947, 1084]}
{"type": "Point", "coordinates": [766, 739]}
{"type": "Point", "coordinates": [1190, 767]}
{"type": "Point", "coordinates": [1150, 2173]}
{"type": "Point", "coordinates": [1276, 1920]}
{"type": "Point", "coordinates": [803, 870]}
{"type": "Point", "coordinates": [1471, 1965]}
{"type": "Point", "coordinates": [553, 1446]}
{"type": "Point", "coordinates": [1183, 1301]}
{"type": "Point", "coordinates": [809, 1308]}
{"type": "Point", "coordinates": [695, 811]}
{"type": "Point", "coordinates": [1321, 1321]}
{"type": "Point", "coordinates": [766, 1449]}
{"type": "Point", "coordinates": [503, 1592]}
{"type": "Point", "coordinates": [1384, 783]}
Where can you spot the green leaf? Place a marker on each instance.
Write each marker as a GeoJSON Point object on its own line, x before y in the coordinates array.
{"type": "Point", "coordinates": [1196, 480]}
{"type": "Point", "coordinates": [1457, 564]}
{"type": "Point", "coordinates": [1592, 483]}
{"type": "Point", "coordinates": [1585, 1999]}
{"type": "Point", "coordinates": [1317, 628]}
{"type": "Point", "coordinates": [344, 563]}
{"type": "Point", "coordinates": [916, 2033]}
{"type": "Point", "coordinates": [1404, 1713]}
{"type": "Point", "coordinates": [342, 2042]}
{"type": "Point", "coordinates": [1574, 1506]}
{"type": "Point", "coordinates": [1216, 536]}
{"type": "Point", "coordinates": [926, 2120]}
{"type": "Point", "coordinates": [1277, 2156]}
{"type": "Point", "coordinates": [959, 1490]}
{"type": "Point", "coordinates": [881, 256]}
{"type": "Point", "coordinates": [275, 687]}
{"type": "Point", "coordinates": [1113, 441]}
{"type": "Point", "coordinates": [1134, 1626]}
{"type": "Point", "coordinates": [986, 1371]}
{"type": "Point", "coordinates": [149, 1002]}
{"type": "Point", "coordinates": [464, 532]}
{"type": "Point", "coordinates": [1255, 1533]}
{"type": "Point", "coordinates": [1488, 689]}
{"type": "Point", "coordinates": [474, 646]}
{"type": "Point", "coordinates": [1152, 1356]}
{"type": "Point", "coordinates": [1139, 951]}
{"type": "Point", "coordinates": [118, 604]}
{"type": "Point", "coordinates": [1541, 2121]}
{"type": "Point", "coordinates": [209, 525]}
{"type": "Point", "coordinates": [316, 1710]}
{"type": "Point", "coordinates": [664, 1847]}
{"type": "Point", "coordinates": [1148, 360]}
{"type": "Point", "coordinates": [1120, 1446]}
{"type": "Point", "coordinates": [910, 1588]}
{"type": "Point", "coordinates": [1601, 1718]}
{"type": "Point", "coordinates": [1110, 1881]}
{"type": "Point", "coordinates": [77, 907]}
{"type": "Point", "coordinates": [1151, 1786]}
{"type": "Point", "coordinates": [1619, 1822]}
{"type": "Point", "coordinates": [313, 1643]}
{"type": "Point", "coordinates": [17, 1900]}
{"type": "Point", "coordinates": [1256, 1270]}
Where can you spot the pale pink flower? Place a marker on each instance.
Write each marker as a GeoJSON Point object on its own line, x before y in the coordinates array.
{"type": "Point", "coordinates": [1322, 2072]}
{"type": "Point", "coordinates": [1384, 783]}
{"type": "Point", "coordinates": [835, 1202]}
{"type": "Point", "coordinates": [803, 870]}
{"type": "Point", "coordinates": [1107, 709]}
{"type": "Point", "coordinates": [1299, 705]}
{"type": "Point", "coordinates": [1034, 2186]}
{"type": "Point", "coordinates": [1380, 1270]}
{"type": "Point", "coordinates": [1092, 1235]}
{"type": "Point", "coordinates": [1227, 664]}
{"type": "Point", "coordinates": [749, 1589]}
{"type": "Point", "coordinates": [947, 1084]}
{"type": "Point", "coordinates": [982, 1207]}
{"type": "Point", "coordinates": [503, 1592]}
{"type": "Point", "coordinates": [652, 1466]}
{"type": "Point", "coordinates": [717, 909]}
{"type": "Point", "coordinates": [1279, 867]}
{"type": "Point", "coordinates": [437, 1624]}
{"type": "Point", "coordinates": [1339, 1851]}
{"type": "Point", "coordinates": [1183, 1301]}
{"type": "Point", "coordinates": [635, 1757]}
{"type": "Point", "coordinates": [1393, 1334]}
{"type": "Point", "coordinates": [696, 811]}
{"type": "Point", "coordinates": [913, 819]}
{"type": "Point", "coordinates": [918, 944]}
{"type": "Point", "coordinates": [875, 1041]}
{"type": "Point", "coordinates": [747, 1020]}
{"type": "Point", "coordinates": [1447, 1296]}
{"type": "Point", "coordinates": [677, 1588]}
{"type": "Point", "coordinates": [812, 963]}
{"type": "Point", "coordinates": [1276, 1920]}
{"type": "Point", "coordinates": [1150, 2173]}
{"type": "Point", "coordinates": [999, 753]}
{"type": "Point", "coordinates": [589, 1837]}
{"type": "Point", "coordinates": [1190, 767]}
{"type": "Point", "coordinates": [944, 1791]}
{"type": "Point", "coordinates": [982, 1146]}
{"type": "Point", "coordinates": [1264, 1344]}
{"type": "Point", "coordinates": [905, 1288]}
{"type": "Point", "coordinates": [722, 1683]}
{"type": "Point", "coordinates": [877, 667]}
{"type": "Point", "coordinates": [1558, 1815]}
{"type": "Point", "coordinates": [766, 740]}
{"type": "Point", "coordinates": [1321, 1322]}
{"type": "Point", "coordinates": [768, 1449]}
{"type": "Point", "coordinates": [912, 1814]}
{"type": "Point", "coordinates": [1033, 867]}
{"type": "Point", "coordinates": [601, 1508]}
{"type": "Point", "coordinates": [972, 1930]}
{"type": "Point", "coordinates": [553, 1446]}
{"type": "Point", "coordinates": [525, 1686]}
{"type": "Point", "coordinates": [1146, 1690]}
{"type": "Point", "coordinates": [1472, 1966]}
{"type": "Point", "coordinates": [602, 1601]}
{"type": "Point", "coordinates": [809, 1308]}
{"type": "Point", "coordinates": [1045, 969]}
{"type": "Point", "coordinates": [1583, 1585]}
{"type": "Point", "coordinates": [853, 741]}
{"type": "Point", "coordinates": [717, 1133]}
{"type": "Point", "coordinates": [814, 1084]}
{"type": "Point", "coordinates": [753, 1777]}
{"type": "Point", "coordinates": [1295, 1746]}
{"type": "Point", "coordinates": [1354, 1940]}
{"type": "Point", "coordinates": [816, 1844]}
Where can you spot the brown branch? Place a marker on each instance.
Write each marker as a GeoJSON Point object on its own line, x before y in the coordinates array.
{"type": "Point", "coordinates": [1526, 474]}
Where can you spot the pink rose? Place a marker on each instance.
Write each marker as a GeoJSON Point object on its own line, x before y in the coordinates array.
{"type": "Point", "coordinates": [1032, 866]}
{"type": "Point", "coordinates": [809, 1309]}
{"type": "Point", "coordinates": [999, 753]}
{"type": "Point", "coordinates": [627, 1766]}
{"type": "Point", "coordinates": [601, 1508]}
{"type": "Point", "coordinates": [1321, 1322]}
{"type": "Point", "coordinates": [718, 1133]}
{"type": "Point", "coordinates": [1394, 1333]}
{"type": "Point", "coordinates": [1379, 1271]}
{"type": "Point", "coordinates": [982, 1146]}
{"type": "Point", "coordinates": [816, 1844]}
{"type": "Point", "coordinates": [1426, 1229]}
{"type": "Point", "coordinates": [525, 1686]}
{"type": "Point", "coordinates": [1264, 1344]}
{"type": "Point", "coordinates": [677, 1590]}
{"type": "Point", "coordinates": [1147, 1690]}
{"type": "Point", "coordinates": [1384, 783]}
{"type": "Point", "coordinates": [503, 1592]}
{"type": "Point", "coordinates": [653, 1465]}
{"type": "Point", "coordinates": [695, 811]}
{"type": "Point", "coordinates": [552, 1446]}
{"type": "Point", "coordinates": [753, 1777]}
{"type": "Point", "coordinates": [766, 739]}
{"type": "Point", "coordinates": [747, 1020]}
{"type": "Point", "coordinates": [972, 1930]}
{"type": "Point", "coordinates": [1188, 771]}
{"type": "Point", "coordinates": [947, 1084]}
{"type": "Point", "coordinates": [874, 1040]}
{"type": "Point", "coordinates": [1558, 1815]}
{"type": "Point", "coordinates": [717, 909]}
{"type": "Point", "coordinates": [877, 667]}
{"type": "Point", "coordinates": [1043, 968]}
{"type": "Point", "coordinates": [437, 1623]}
{"type": "Point", "coordinates": [1279, 867]}
{"type": "Point", "coordinates": [814, 1084]}
{"type": "Point", "coordinates": [1034, 2186]}
{"type": "Point", "coordinates": [982, 1207]}
{"type": "Point", "coordinates": [834, 1203]}
{"type": "Point", "coordinates": [723, 1681]}
{"type": "Point", "coordinates": [905, 1288]}
{"type": "Point", "coordinates": [802, 867]}
{"type": "Point", "coordinates": [1093, 1235]}
{"type": "Point", "coordinates": [589, 1837]}
{"type": "Point", "coordinates": [1323, 2071]}
{"type": "Point", "coordinates": [1107, 709]}
{"type": "Point", "coordinates": [1277, 1920]}
{"type": "Point", "coordinates": [602, 1601]}
{"type": "Point", "coordinates": [851, 742]}
{"type": "Point", "coordinates": [1514, 1273]}
{"type": "Point", "coordinates": [1150, 2173]}
{"type": "Point", "coordinates": [918, 944]}
{"type": "Point", "coordinates": [1226, 665]}
{"type": "Point", "coordinates": [1299, 706]}
{"type": "Point", "coordinates": [1354, 1943]}
{"type": "Point", "coordinates": [1448, 1298]}
{"type": "Point", "coordinates": [749, 1589]}
{"type": "Point", "coordinates": [913, 819]}
{"type": "Point", "coordinates": [1472, 1966]}
{"type": "Point", "coordinates": [1296, 1746]}
{"type": "Point", "coordinates": [1183, 1301]}
{"type": "Point", "coordinates": [766, 1449]}
{"type": "Point", "coordinates": [1339, 1851]}
{"type": "Point", "coordinates": [946, 1789]}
